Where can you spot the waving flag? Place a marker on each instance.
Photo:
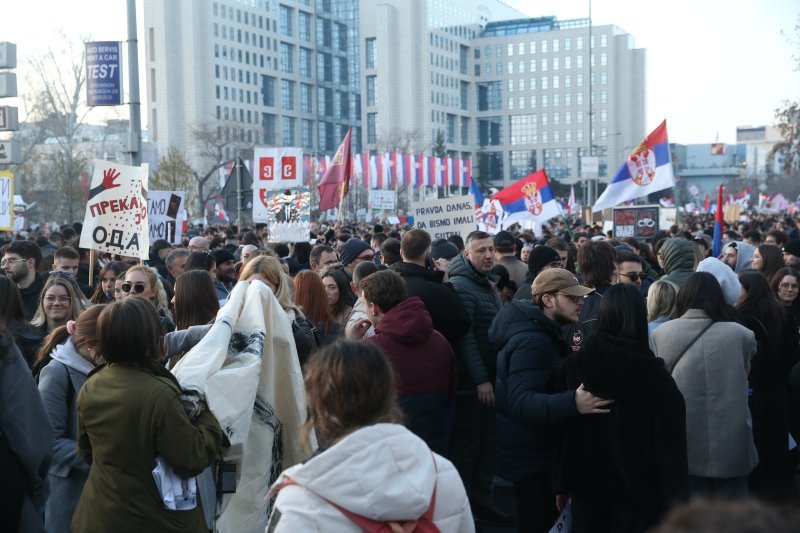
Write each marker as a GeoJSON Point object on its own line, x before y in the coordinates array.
{"type": "Point", "coordinates": [648, 169]}
{"type": "Point", "coordinates": [571, 201]}
{"type": "Point", "coordinates": [528, 199]}
{"type": "Point", "coordinates": [335, 184]}
{"type": "Point", "coordinates": [718, 225]}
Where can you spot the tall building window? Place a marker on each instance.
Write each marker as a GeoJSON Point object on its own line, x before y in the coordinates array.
{"type": "Point", "coordinates": [555, 45]}
{"type": "Point", "coordinates": [567, 63]}
{"type": "Point", "coordinates": [306, 98]}
{"type": "Point", "coordinates": [288, 131]}
{"type": "Point", "coordinates": [307, 133]}
{"type": "Point", "coordinates": [604, 40]}
{"type": "Point", "coordinates": [532, 47]}
{"type": "Point", "coordinates": [371, 80]}
{"type": "Point", "coordinates": [603, 59]}
{"type": "Point", "coordinates": [304, 25]}
{"type": "Point", "coordinates": [287, 51]}
{"type": "Point", "coordinates": [579, 62]}
{"type": "Point", "coordinates": [510, 49]}
{"type": "Point", "coordinates": [372, 135]}
{"type": "Point", "coordinates": [555, 63]}
{"type": "Point", "coordinates": [579, 43]}
{"type": "Point", "coordinates": [286, 20]}
{"type": "Point", "coordinates": [544, 47]}
{"type": "Point", "coordinates": [268, 122]}
{"type": "Point", "coordinates": [268, 91]}
{"type": "Point", "coordinates": [521, 48]}
{"type": "Point", "coordinates": [567, 44]}
{"type": "Point", "coordinates": [305, 62]}
{"type": "Point", "coordinates": [510, 67]}
{"type": "Point", "coordinates": [287, 94]}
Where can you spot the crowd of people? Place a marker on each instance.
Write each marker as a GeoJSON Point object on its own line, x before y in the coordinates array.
{"type": "Point", "coordinates": [622, 378]}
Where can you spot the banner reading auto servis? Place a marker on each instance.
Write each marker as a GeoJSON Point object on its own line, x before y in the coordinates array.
{"type": "Point", "coordinates": [648, 169]}
{"type": "Point", "coordinates": [274, 168]}
{"type": "Point", "coordinates": [116, 212]}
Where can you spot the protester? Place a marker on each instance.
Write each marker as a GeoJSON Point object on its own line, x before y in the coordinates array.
{"type": "Point", "coordinates": [104, 292]}
{"type": "Point", "coordinates": [390, 252]}
{"type": "Point", "coordinates": [505, 246]}
{"type": "Point", "coordinates": [359, 312]}
{"type": "Point", "coordinates": [311, 298]}
{"type": "Point", "coordinates": [352, 252]}
{"type": "Point", "coordinates": [337, 291]}
{"type": "Point", "coordinates": [372, 472]}
{"type": "Point", "coordinates": [159, 250]}
{"type": "Point", "coordinates": [320, 257]}
{"type": "Point", "coordinates": [142, 282]}
{"type": "Point", "coordinates": [661, 298]}
{"type": "Point", "coordinates": [785, 284]}
{"type": "Point", "coordinates": [541, 258]}
{"type": "Point", "coordinates": [709, 357]}
{"type": "Point", "coordinates": [269, 271]}
{"type": "Point", "coordinates": [73, 352]}
{"type": "Point", "coordinates": [777, 353]}
{"type": "Point", "coordinates": [767, 259]}
{"type": "Point", "coordinates": [26, 443]}
{"type": "Point", "coordinates": [530, 398]}
{"type": "Point", "coordinates": [630, 269]}
{"type": "Point", "coordinates": [13, 323]}
{"type": "Point", "coordinates": [60, 301]}
{"type": "Point", "coordinates": [738, 255]}
{"type": "Point", "coordinates": [677, 256]}
{"type": "Point", "coordinates": [202, 261]}
{"type": "Point", "coordinates": [224, 276]}
{"type": "Point", "coordinates": [20, 263]}
{"type": "Point", "coordinates": [176, 263]}
{"type": "Point", "coordinates": [130, 415]}
{"type": "Point", "coordinates": [198, 244]}
{"type": "Point", "coordinates": [623, 471]}
{"type": "Point", "coordinates": [472, 448]}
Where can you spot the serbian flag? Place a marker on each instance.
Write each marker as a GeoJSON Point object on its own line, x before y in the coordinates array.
{"type": "Point", "coordinates": [707, 204]}
{"type": "Point", "coordinates": [571, 201]}
{"type": "Point", "coordinates": [478, 195]}
{"type": "Point", "coordinates": [718, 225]}
{"type": "Point", "coordinates": [528, 199]}
{"type": "Point", "coordinates": [648, 169]}
{"type": "Point", "coordinates": [408, 169]}
{"type": "Point", "coordinates": [335, 184]}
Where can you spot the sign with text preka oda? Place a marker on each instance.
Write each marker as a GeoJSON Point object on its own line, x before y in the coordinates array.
{"type": "Point", "coordinates": [446, 216]}
{"type": "Point", "coordinates": [164, 210]}
{"type": "Point", "coordinates": [6, 201]}
{"type": "Point", "coordinates": [104, 73]}
{"type": "Point", "coordinates": [116, 212]}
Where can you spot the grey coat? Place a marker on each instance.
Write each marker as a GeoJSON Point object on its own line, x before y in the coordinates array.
{"type": "Point", "coordinates": [712, 376]}
{"type": "Point", "coordinates": [59, 385]}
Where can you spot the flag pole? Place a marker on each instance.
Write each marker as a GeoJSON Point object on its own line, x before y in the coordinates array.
{"type": "Point", "coordinates": [341, 201]}
{"type": "Point", "coordinates": [91, 266]}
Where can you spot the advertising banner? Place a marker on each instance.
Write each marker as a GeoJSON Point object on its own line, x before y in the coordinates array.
{"type": "Point", "coordinates": [104, 73]}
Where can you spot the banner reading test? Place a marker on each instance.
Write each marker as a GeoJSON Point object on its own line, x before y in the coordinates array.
{"type": "Point", "coordinates": [116, 213]}
{"type": "Point", "coordinates": [446, 216]}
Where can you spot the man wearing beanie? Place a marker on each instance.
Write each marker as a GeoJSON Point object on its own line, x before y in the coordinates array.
{"type": "Point", "coordinates": [791, 253]}
{"type": "Point", "coordinates": [352, 253]}
{"type": "Point", "coordinates": [541, 258]}
{"type": "Point", "coordinates": [505, 245]}
{"type": "Point", "coordinates": [225, 276]}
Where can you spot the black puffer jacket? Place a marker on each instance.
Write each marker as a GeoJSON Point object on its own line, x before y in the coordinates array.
{"type": "Point", "coordinates": [476, 355]}
{"type": "Point", "coordinates": [530, 394]}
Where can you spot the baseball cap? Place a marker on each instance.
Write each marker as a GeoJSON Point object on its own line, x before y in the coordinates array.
{"type": "Point", "coordinates": [559, 280]}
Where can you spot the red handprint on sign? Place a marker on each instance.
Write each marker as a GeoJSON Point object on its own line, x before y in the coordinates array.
{"type": "Point", "coordinates": [110, 175]}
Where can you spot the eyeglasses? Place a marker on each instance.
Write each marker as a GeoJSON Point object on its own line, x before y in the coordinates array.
{"type": "Point", "coordinates": [54, 299]}
{"type": "Point", "coordinates": [575, 299]}
{"type": "Point", "coordinates": [633, 276]}
{"type": "Point", "coordinates": [138, 288]}
{"type": "Point", "coordinates": [367, 257]}
{"type": "Point", "coordinates": [10, 261]}
{"type": "Point", "coordinates": [554, 264]}
{"type": "Point", "coordinates": [789, 286]}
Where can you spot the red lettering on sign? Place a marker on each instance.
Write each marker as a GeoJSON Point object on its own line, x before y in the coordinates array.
{"type": "Point", "coordinates": [288, 166]}
{"type": "Point", "coordinates": [265, 165]}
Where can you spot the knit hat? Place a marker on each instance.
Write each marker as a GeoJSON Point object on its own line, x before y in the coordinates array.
{"type": "Point", "coordinates": [222, 255]}
{"type": "Point", "coordinates": [792, 247]}
{"type": "Point", "coordinates": [727, 278]}
{"type": "Point", "coordinates": [443, 248]}
{"type": "Point", "coordinates": [540, 257]}
{"type": "Point", "coordinates": [351, 250]}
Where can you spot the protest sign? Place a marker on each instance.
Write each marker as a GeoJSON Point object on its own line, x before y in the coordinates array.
{"type": "Point", "coordinates": [6, 201]}
{"type": "Point", "coordinates": [667, 216]}
{"type": "Point", "coordinates": [446, 216]}
{"type": "Point", "coordinates": [640, 222]}
{"type": "Point", "coordinates": [288, 215]}
{"type": "Point", "coordinates": [116, 213]}
{"type": "Point", "coordinates": [274, 168]}
{"type": "Point", "coordinates": [382, 200]}
{"type": "Point", "coordinates": [164, 210]}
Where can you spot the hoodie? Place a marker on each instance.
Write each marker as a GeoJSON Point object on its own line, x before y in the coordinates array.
{"type": "Point", "coordinates": [728, 280]}
{"type": "Point", "coordinates": [678, 257]}
{"type": "Point", "coordinates": [744, 255]}
{"type": "Point", "coordinates": [382, 472]}
{"type": "Point", "coordinates": [67, 354]}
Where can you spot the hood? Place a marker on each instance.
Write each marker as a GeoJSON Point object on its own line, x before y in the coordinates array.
{"type": "Point", "coordinates": [460, 266]}
{"type": "Point", "coordinates": [407, 322]}
{"type": "Point", "coordinates": [382, 472]}
{"type": "Point", "coordinates": [744, 255]}
{"type": "Point", "coordinates": [520, 316]}
{"type": "Point", "coordinates": [617, 368]}
{"type": "Point", "coordinates": [67, 354]}
{"type": "Point", "coordinates": [728, 280]}
{"type": "Point", "coordinates": [412, 270]}
{"type": "Point", "coordinates": [678, 255]}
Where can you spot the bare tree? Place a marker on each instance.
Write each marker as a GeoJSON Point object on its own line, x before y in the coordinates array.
{"type": "Point", "coordinates": [173, 174]}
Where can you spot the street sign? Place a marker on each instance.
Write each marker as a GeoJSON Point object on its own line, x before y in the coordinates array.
{"type": "Point", "coordinates": [590, 167]}
{"type": "Point", "coordinates": [9, 152]}
{"type": "Point", "coordinates": [8, 55]}
{"type": "Point", "coordinates": [9, 120]}
{"type": "Point", "coordinates": [8, 84]}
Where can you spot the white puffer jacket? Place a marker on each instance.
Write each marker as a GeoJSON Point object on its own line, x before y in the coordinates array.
{"type": "Point", "coordinates": [382, 472]}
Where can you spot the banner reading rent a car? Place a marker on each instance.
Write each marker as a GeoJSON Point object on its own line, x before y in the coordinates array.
{"type": "Point", "coordinates": [116, 213]}
{"type": "Point", "coordinates": [446, 216]}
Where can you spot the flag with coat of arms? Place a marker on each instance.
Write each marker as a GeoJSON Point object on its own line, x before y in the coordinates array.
{"type": "Point", "coordinates": [528, 199]}
{"type": "Point", "coordinates": [646, 170]}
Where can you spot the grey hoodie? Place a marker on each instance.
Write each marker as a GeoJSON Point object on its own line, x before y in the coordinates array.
{"type": "Point", "coordinates": [744, 255]}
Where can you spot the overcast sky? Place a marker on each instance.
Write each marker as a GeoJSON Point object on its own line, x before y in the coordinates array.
{"type": "Point", "coordinates": [712, 65]}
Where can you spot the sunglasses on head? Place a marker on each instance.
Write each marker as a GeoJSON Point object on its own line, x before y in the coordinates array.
{"type": "Point", "coordinates": [138, 288]}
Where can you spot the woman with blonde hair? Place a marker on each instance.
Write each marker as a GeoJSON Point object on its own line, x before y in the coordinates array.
{"type": "Point", "coordinates": [61, 300]}
{"type": "Point", "coordinates": [268, 270]}
{"type": "Point", "coordinates": [661, 298]}
{"type": "Point", "coordinates": [142, 282]}
{"type": "Point", "coordinates": [372, 472]}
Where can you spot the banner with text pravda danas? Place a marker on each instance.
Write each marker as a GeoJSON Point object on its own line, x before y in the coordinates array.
{"type": "Point", "coordinates": [116, 212]}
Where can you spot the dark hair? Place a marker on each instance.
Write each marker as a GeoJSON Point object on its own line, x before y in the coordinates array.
{"type": "Point", "coordinates": [780, 237]}
{"type": "Point", "coordinates": [597, 263]}
{"type": "Point", "coordinates": [10, 302]}
{"type": "Point", "coordinates": [385, 289]}
{"type": "Point", "coordinates": [301, 251]}
{"type": "Point", "coordinates": [415, 244]}
{"type": "Point", "coordinates": [754, 235]}
{"type": "Point", "coordinates": [344, 289]}
{"type": "Point", "coordinates": [117, 267]}
{"type": "Point", "coordinates": [776, 279]}
{"type": "Point", "coordinates": [349, 385]}
{"type": "Point", "coordinates": [627, 257]}
{"type": "Point", "coordinates": [67, 252]}
{"type": "Point", "coordinates": [362, 270]}
{"type": "Point", "coordinates": [702, 291]}
{"type": "Point", "coordinates": [26, 250]}
{"type": "Point", "coordinates": [200, 261]}
{"type": "Point", "coordinates": [457, 240]}
{"type": "Point", "coordinates": [762, 304]}
{"type": "Point", "coordinates": [121, 343]}
{"type": "Point", "coordinates": [196, 300]}
{"type": "Point", "coordinates": [390, 251]}
{"type": "Point", "coordinates": [317, 251]}
{"type": "Point", "coordinates": [623, 313]}
{"type": "Point", "coordinates": [557, 243]}
{"type": "Point", "coordinates": [477, 235]}
{"type": "Point", "coordinates": [158, 245]}
{"type": "Point", "coordinates": [379, 237]}
{"type": "Point", "coordinates": [772, 259]}
{"type": "Point", "coordinates": [250, 237]}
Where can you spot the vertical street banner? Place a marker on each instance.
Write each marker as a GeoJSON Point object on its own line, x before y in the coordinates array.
{"type": "Point", "coordinates": [116, 212]}
{"type": "Point", "coordinates": [6, 201]}
{"type": "Point", "coordinates": [104, 73]}
{"type": "Point", "coordinates": [289, 215]}
{"type": "Point", "coordinates": [164, 215]}
{"type": "Point", "coordinates": [274, 169]}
